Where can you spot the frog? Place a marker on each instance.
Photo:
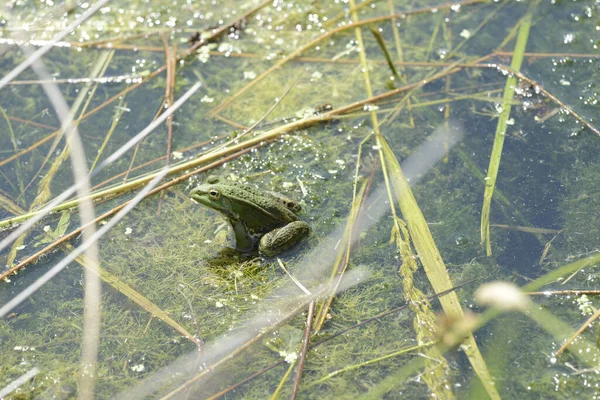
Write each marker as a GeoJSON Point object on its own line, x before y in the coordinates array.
{"type": "Point", "coordinates": [261, 220]}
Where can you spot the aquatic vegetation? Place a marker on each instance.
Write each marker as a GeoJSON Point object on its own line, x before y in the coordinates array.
{"type": "Point", "coordinates": [434, 148]}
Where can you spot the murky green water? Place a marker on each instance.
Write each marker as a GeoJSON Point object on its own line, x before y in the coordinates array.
{"type": "Point", "coordinates": [182, 317]}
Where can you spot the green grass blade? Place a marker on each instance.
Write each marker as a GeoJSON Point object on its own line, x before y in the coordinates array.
{"type": "Point", "coordinates": [432, 262]}
{"type": "Point", "coordinates": [509, 91]}
{"type": "Point", "coordinates": [381, 42]}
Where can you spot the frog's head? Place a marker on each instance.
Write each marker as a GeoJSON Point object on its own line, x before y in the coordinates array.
{"type": "Point", "coordinates": [214, 195]}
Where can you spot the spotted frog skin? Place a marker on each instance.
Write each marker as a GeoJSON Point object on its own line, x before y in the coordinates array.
{"type": "Point", "coordinates": [258, 218]}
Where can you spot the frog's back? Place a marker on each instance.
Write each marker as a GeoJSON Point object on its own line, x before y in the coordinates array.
{"type": "Point", "coordinates": [277, 205]}
{"type": "Point", "coordinates": [258, 207]}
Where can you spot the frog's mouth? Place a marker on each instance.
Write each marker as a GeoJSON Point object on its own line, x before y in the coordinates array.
{"type": "Point", "coordinates": [201, 196]}
{"type": "Point", "coordinates": [196, 195]}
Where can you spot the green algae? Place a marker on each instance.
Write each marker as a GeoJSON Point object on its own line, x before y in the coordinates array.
{"type": "Point", "coordinates": [176, 259]}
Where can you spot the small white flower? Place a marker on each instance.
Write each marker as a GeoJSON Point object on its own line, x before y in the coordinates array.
{"type": "Point", "coordinates": [565, 82]}
{"type": "Point", "coordinates": [128, 231]}
{"type": "Point", "coordinates": [46, 228]}
{"type": "Point", "coordinates": [203, 54]}
{"type": "Point", "coordinates": [249, 75]}
{"type": "Point", "coordinates": [177, 155]}
{"type": "Point", "coordinates": [218, 304]}
{"type": "Point", "coordinates": [465, 33]}
{"type": "Point", "coordinates": [585, 305]}
{"type": "Point", "coordinates": [510, 121]}
{"type": "Point", "coordinates": [568, 38]}
{"type": "Point", "coordinates": [206, 99]}
{"type": "Point", "coordinates": [289, 357]}
{"type": "Point", "coordinates": [138, 368]}
{"type": "Point", "coordinates": [316, 75]}
{"type": "Point", "coordinates": [224, 47]}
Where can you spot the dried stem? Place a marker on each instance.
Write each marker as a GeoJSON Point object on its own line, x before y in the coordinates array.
{"type": "Point", "coordinates": [305, 342]}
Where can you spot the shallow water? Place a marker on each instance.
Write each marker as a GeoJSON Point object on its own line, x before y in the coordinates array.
{"type": "Point", "coordinates": [183, 317]}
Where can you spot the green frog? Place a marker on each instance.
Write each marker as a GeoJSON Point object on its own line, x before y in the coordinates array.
{"type": "Point", "coordinates": [262, 219]}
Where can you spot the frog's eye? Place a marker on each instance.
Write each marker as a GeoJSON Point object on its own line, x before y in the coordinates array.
{"type": "Point", "coordinates": [214, 194]}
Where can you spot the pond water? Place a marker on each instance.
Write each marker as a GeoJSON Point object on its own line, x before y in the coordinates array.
{"type": "Point", "coordinates": [434, 147]}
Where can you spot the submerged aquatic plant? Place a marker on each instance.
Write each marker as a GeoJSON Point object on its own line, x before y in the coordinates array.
{"type": "Point", "coordinates": [379, 117]}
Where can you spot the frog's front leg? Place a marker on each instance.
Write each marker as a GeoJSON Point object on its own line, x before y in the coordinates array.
{"type": "Point", "coordinates": [282, 239]}
{"type": "Point", "coordinates": [243, 241]}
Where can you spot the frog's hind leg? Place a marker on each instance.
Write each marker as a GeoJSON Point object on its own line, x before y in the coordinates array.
{"type": "Point", "coordinates": [282, 239]}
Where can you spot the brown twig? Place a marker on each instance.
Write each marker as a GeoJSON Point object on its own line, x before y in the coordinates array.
{"type": "Point", "coordinates": [528, 229]}
{"type": "Point", "coordinates": [147, 163]}
{"type": "Point", "coordinates": [579, 331]}
{"type": "Point", "coordinates": [329, 60]}
{"type": "Point", "coordinates": [32, 123]}
{"type": "Point", "coordinates": [305, 341]}
{"type": "Point", "coordinates": [135, 151]}
{"type": "Point", "coordinates": [30, 148]}
{"type": "Point", "coordinates": [171, 63]}
{"type": "Point", "coordinates": [451, 69]}
{"type": "Point", "coordinates": [528, 279]}
{"type": "Point", "coordinates": [240, 383]}
{"type": "Point", "coordinates": [548, 55]}
{"type": "Point", "coordinates": [568, 292]}
{"type": "Point", "coordinates": [533, 82]}
{"type": "Point", "coordinates": [110, 41]}
{"type": "Point", "coordinates": [230, 122]}
{"type": "Point", "coordinates": [400, 54]}
{"type": "Point", "coordinates": [547, 247]}
{"type": "Point", "coordinates": [170, 99]}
